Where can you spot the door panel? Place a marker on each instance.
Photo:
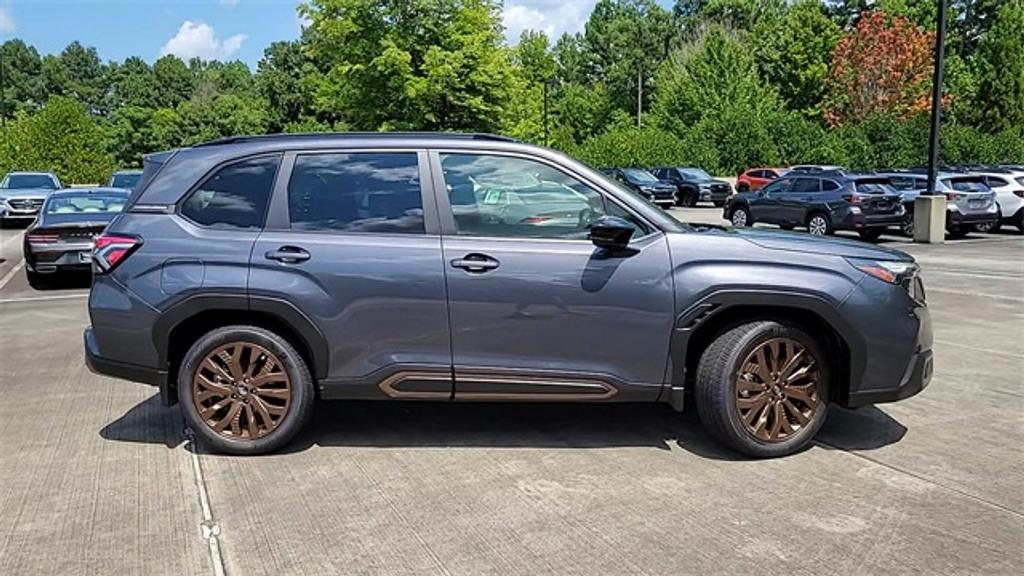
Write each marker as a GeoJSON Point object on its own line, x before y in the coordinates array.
{"type": "Point", "coordinates": [378, 297]}
{"type": "Point", "coordinates": [550, 316]}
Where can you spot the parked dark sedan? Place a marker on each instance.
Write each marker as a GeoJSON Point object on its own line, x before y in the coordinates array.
{"type": "Point", "coordinates": [61, 238]}
{"type": "Point", "coordinates": [644, 183]}
{"type": "Point", "coordinates": [823, 203]}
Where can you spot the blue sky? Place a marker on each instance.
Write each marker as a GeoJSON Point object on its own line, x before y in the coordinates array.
{"type": "Point", "coordinates": [213, 29]}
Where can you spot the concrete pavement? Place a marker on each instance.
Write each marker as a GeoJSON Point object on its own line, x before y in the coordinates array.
{"type": "Point", "coordinates": [97, 478]}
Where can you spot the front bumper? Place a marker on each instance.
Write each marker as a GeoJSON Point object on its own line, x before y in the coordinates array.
{"type": "Point", "coordinates": [714, 195]}
{"type": "Point", "coordinates": [916, 379]}
{"type": "Point", "coordinates": [106, 367]}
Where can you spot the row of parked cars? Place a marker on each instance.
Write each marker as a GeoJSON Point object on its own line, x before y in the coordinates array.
{"type": "Point", "coordinates": [828, 198]}
{"type": "Point", "coordinates": [62, 221]}
{"type": "Point", "coordinates": [669, 186]}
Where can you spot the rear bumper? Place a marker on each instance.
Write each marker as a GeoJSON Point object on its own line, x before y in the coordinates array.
{"type": "Point", "coordinates": [957, 218]}
{"type": "Point", "coordinates": [106, 367]}
{"type": "Point", "coordinates": [868, 221]}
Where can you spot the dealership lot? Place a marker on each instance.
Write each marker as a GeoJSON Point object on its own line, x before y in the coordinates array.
{"type": "Point", "coordinates": [97, 477]}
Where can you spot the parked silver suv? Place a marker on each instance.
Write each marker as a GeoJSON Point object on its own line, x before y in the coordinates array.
{"type": "Point", "coordinates": [970, 202]}
{"type": "Point", "coordinates": [249, 277]}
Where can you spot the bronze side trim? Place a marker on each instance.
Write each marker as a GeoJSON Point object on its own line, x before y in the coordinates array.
{"type": "Point", "coordinates": [390, 385]}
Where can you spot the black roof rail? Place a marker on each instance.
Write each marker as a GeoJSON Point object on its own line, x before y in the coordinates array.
{"type": "Point", "coordinates": [347, 135]}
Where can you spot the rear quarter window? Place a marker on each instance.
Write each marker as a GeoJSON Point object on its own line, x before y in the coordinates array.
{"type": "Point", "coordinates": [236, 195]}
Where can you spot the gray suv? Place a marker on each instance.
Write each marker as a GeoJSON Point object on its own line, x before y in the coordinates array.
{"type": "Point", "coordinates": [249, 277]}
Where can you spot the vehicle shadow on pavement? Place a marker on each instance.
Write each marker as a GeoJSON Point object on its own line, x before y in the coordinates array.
{"type": "Point", "coordinates": [65, 282]}
{"type": "Point", "coordinates": [499, 425]}
{"type": "Point", "coordinates": [149, 422]}
{"type": "Point", "coordinates": [866, 428]}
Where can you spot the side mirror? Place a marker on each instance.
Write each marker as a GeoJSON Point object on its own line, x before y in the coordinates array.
{"type": "Point", "coordinates": [611, 232]}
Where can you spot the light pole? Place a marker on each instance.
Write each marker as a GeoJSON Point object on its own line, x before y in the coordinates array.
{"type": "Point", "coordinates": [929, 207]}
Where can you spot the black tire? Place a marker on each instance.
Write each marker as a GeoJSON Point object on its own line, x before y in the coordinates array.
{"type": "Point", "coordinates": [717, 373]}
{"type": "Point", "coordinates": [302, 398]}
{"type": "Point", "coordinates": [988, 228]}
{"type": "Point", "coordinates": [958, 232]}
{"type": "Point", "coordinates": [719, 203]}
{"type": "Point", "coordinates": [747, 219]}
{"type": "Point", "coordinates": [743, 188]}
{"type": "Point", "coordinates": [871, 235]}
{"type": "Point", "coordinates": [36, 280]}
{"type": "Point", "coordinates": [907, 227]}
{"type": "Point", "coordinates": [823, 230]}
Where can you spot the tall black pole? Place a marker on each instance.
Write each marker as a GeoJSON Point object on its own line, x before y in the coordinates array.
{"type": "Point", "coordinates": [546, 113]}
{"type": "Point", "coordinates": [940, 59]}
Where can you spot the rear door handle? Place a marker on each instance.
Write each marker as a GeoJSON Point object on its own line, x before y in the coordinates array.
{"type": "Point", "coordinates": [288, 254]}
{"type": "Point", "coordinates": [475, 263]}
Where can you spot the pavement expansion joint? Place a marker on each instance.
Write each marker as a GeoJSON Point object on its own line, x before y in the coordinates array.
{"type": "Point", "coordinates": [208, 527]}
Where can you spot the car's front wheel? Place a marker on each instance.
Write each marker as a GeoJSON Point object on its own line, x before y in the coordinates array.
{"type": "Point", "coordinates": [741, 217]}
{"type": "Point", "coordinates": [245, 390]}
{"type": "Point", "coordinates": [762, 388]}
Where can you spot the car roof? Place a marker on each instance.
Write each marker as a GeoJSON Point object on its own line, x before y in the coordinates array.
{"type": "Point", "coordinates": [30, 173]}
{"type": "Point", "coordinates": [128, 171]}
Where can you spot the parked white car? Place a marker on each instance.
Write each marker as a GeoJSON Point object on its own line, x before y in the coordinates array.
{"type": "Point", "coordinates": [1009, 188]}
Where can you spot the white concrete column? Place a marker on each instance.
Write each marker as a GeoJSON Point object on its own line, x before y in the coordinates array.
{"type": "Point", "coordinates": [930, 219]}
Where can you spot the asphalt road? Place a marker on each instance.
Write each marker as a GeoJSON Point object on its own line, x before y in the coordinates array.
{"type": "Point", "coordinates": [97, 478]}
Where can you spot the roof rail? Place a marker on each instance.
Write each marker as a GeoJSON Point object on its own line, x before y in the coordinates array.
{"type": "Point", "coordinates": [347, 135]}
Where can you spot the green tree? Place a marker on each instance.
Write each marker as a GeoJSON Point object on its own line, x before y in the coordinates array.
{"type": "Point", "coordinates": [794, 54]}
{"type": "Point", "coordinates": [279, 82]}
{"type": "Point", "coordinates": [23, 87]}
{"type": "Point", "coordinates": [61, 137]}
{"type": "Point", "coordinates": [1000, 70]}
{"type": "Point", "coordinates": [173, 81]}
{"type": "Point", "coordinates": [131, 84]}
{"type": "Point", "coordinates": [422, 64]}
{"type": "Point", "coordinates": [85, 75]}
{"type": "Point", "coordinates": [625, 41]}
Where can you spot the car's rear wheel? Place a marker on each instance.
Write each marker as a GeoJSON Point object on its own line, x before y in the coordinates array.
{"type": "Point", "coordinates": [744, 187]}
{"type": "Point", "coordinates": [245, 390]}
{"type": "Point", "coordinates": [35, 279]}
{"type": "Point", "coordinates": [988, 227]}
{"type": "Point", "coordinates": [741, 217]}
{"type": "Point", "coordinates": [762, 388]}
{"type": "Point", "coordinates": [719, 203]}
{"type": "Point", "coordinates": [907, 226]}
{"type": "Point", "coordinates": [871, 235]}
{"type": "Point", "coordinates": [958, 232]}
{"type": "Point", "coordinates": [819, 224]}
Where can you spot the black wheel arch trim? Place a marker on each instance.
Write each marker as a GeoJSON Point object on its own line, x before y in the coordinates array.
{"type": "Point", "coordinates": [718, 302]}
{"type": "Point", "coordinates": [278, 308]}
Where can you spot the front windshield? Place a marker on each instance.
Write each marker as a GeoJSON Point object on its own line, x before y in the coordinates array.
{"type": "Point", "coordinates": [15, 181]}
{"type": "Point", "coordinates": [125, 180]}
{"type": "Point", "coordinates": [86, 203]}
{"type": "Point", "coordinates": [640, 176]}
{"type": "Point", "coordinates": [697, 174]}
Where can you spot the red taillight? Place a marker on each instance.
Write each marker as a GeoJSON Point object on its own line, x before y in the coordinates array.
{"type": "Point", "coordinates": [852, 198]}
{"type": "Point", "coordinates": [534, 220]}
{"type": "Point", "coordinates": [39, 238]}
{"type": "Point", "coordinates": [953, 196]}
{"type": "Point", "coordinates": [109, 250]}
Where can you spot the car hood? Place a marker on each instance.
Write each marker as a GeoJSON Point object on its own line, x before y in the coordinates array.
{"type": "Point", "coordinates": [800, 242]}
{"type": "Point", "coordinates": [25, 192]}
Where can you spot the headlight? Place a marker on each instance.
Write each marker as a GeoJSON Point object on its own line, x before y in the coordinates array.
{"type": "Point", "coordinates": [901, 210]}
{"type": "Point", "coordinates": [891, 271]}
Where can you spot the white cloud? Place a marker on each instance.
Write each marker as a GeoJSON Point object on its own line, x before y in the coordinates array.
{"type": "Point", "coordinates": [198, 39]}
{"type": "Point", "coordinates": [7, 20]}
{"type": "Point", "coordinates": [553, 17]}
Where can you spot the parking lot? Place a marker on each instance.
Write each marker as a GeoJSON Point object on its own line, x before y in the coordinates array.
{"type": "Point", "coordinates": [97, 478]}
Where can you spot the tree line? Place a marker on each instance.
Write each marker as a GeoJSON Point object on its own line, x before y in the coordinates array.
{"type": "Point", "coordinates": [722, 84]}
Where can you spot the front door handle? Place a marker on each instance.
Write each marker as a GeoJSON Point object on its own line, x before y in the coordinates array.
{"type": "Point", "coordinates": [475, 263]}
{"type": "Point", "coordinates": [288, 254]}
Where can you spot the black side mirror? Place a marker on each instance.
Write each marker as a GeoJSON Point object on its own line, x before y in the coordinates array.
{"type": "Point", "coordinates": [611, 232]}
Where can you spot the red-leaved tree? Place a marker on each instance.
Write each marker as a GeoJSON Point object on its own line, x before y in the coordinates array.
{"type": "Point", "coordinates": [884, 66]}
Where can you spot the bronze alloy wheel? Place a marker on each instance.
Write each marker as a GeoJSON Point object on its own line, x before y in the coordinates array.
{"type": "Point", "coordinates": [241, 391]}
{"type": "Point", "coordinates": [777, 389]}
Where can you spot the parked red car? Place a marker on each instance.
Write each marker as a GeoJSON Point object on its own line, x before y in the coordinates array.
{"type": "Point", "coordinates": [755, 178]}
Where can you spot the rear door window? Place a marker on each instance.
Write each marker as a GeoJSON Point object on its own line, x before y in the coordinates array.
{"type": "Point", "coordinates": [879, 186]}
{"type": "Point", "coordinates": [806, 185]}
{"type": "Point", "coordinates": [372, 192]}
{"type": "Point", "coordinates": [234, 196]}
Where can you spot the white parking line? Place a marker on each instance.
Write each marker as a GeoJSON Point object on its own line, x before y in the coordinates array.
{"type": "Point", "coordinates": [10, 273]}
{"type": "Point", "coordinates": [43, 298]}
